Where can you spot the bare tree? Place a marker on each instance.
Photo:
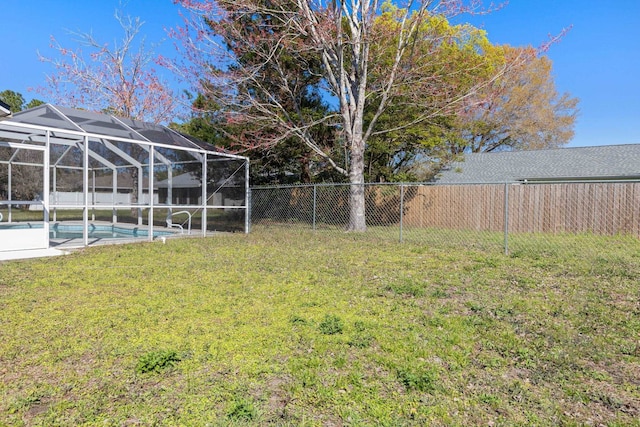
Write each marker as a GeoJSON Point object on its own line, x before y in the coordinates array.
{"type": "Point", "coordinates": [354, 40]}
{"type": "Point", "coordinates": [119, 79]}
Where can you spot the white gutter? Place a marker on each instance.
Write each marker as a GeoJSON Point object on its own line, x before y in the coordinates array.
{"type": "Point", "coordinates": [5, 112]}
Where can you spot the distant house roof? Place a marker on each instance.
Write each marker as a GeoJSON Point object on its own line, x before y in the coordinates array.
{"type": "Point", "coordinates": [185, 180]}
{"type": "Point", "coordinates": [606, 162]}
{"type": "Point", "coordinates": [125, 182]}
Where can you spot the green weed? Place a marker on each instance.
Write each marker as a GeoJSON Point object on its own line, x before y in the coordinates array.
{"type": "Point", "coordinates": [418, 378]}
{"type": "Point", "coordinates": [157, 361]}
{"type": "Point", "coordinates": [242, 410]}
{"type": "Point", "coordinates": [331, 325]}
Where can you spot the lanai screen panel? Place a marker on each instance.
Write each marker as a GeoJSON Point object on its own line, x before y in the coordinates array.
{"type": "Point", "coordinates": [227, 185]}
{"type": "Point", "coordinates": [22, 183]}
{"type": "Point", "coordinates": [104, 168]}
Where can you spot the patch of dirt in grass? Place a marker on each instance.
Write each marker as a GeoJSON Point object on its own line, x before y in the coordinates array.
{"type": "Point", "coordinates": [36, 409]}
{"type": "Point", "coordinates": [613, 393]}
{"type": "Point", "coordinates": [279, 398]}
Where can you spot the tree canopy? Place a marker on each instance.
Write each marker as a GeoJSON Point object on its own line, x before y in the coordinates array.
{"type": "Point", "coordinates": [520, 109]}
{"type": "Point", "coordinates": [16, 101]}
{"type": "Point", "coordinates": [284, 72]}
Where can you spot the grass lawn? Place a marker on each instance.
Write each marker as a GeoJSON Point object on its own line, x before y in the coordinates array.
{"type": "Point", "coordinates": [295, 328]}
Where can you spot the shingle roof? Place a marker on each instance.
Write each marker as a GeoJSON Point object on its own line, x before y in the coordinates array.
{"type": "Point", "coordinates": [579, 163]}
{"type": "Point", "coordinates": [185, 180]}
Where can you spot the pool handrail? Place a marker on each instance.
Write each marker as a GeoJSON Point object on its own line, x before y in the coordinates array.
{"type": "Point", "coordinates": [170, 223]}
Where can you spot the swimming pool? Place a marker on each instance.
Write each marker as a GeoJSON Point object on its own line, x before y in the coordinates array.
{"type": "Point", "coordinates": [74, 231]}
{"type": "Point", "coordinates": [65, 231]}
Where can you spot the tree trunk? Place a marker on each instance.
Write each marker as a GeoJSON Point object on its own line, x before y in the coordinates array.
{"type": "Point", "coordinates": [305, 169]}
{"type": "Point", "coordinates": [357, 218]}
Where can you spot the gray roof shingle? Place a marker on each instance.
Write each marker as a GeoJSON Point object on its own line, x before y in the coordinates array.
{"type": "Point", "coordinates": [562, 164]}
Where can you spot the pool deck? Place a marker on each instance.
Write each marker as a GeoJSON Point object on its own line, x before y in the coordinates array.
{"type": "Point", "coordinates": [59, 247]}
{"type": "Point", "coordinates": [33, 253]}
{"type": "Point", "coordinates": [64, 246]}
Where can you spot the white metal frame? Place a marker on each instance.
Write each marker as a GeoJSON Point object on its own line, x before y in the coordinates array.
{"type": "Point", "coordinates": [41, 138]}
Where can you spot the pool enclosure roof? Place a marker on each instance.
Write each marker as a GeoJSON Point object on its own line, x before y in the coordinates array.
{"type": "Point", "coordinates": [63, 122]}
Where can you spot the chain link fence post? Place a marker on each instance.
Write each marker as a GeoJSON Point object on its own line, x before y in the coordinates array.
{"type": "Point", "coordinates": [401, 211]}
{"type": "Point", "coordinates": [315, 195]}
{"type": "Point", "coordinates": [506, 218]}
{"type": "Point", "coordinates": [249, 211]}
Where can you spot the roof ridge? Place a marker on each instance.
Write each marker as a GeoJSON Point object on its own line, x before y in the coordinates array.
{"type": "Point", "coordinates": [537, 150]}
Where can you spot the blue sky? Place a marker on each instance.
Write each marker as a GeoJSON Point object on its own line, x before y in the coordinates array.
{"type": "Point", "coordinates": [598, 61]}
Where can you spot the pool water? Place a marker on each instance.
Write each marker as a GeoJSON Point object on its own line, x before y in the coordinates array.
{"type": "Point", "coordinates": [58, 231]}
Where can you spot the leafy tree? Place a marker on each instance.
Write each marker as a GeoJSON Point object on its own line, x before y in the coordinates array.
{"type": "Point", "coordinates": [16, 101]}
{"type": "Point", "coordinates": [288, 162]}
{"type": "Point", "coordinates": [284, 160]}
{"type": "Point", "coordinates": [518, 110]}
{"type": "Point", "coordinates": [521, 110]}
{"type": "Point", "coordinates": [461, 58]}
{"type": "Point", "coordinates": [332, 42]}
{"type": "Point", "coordinates": [27, 180]}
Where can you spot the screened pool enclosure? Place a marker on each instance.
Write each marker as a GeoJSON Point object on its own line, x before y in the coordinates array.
{"type": "Point", "coordinates": [73, 177]}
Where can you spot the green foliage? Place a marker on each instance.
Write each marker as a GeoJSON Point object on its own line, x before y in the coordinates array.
{"type": "Point", "coordinates": [418, 378]}
{"type": "Point", "coordinates": [24, 403]}
{"type": "Point", "coordinates": [242, 410]}
{"type": "Point", "coordinates": [157, 361]}
{"type": "Point", "coordinates": [16, 101]}
{"type": "Point", "coordinates": [360, 340]}
{"type": "Point", "coordinates": [420, 135]}
{"type": "Point", "coordinates": [331, 325]}
{"type": "Point", "coordinates": [407, 286]}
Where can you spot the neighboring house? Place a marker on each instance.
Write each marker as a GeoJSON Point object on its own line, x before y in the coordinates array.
{"type": "Point", "coordinates": [186, 189]}
{"type": "Point", "coordinates": [602, 163]}
{"type": "Point", "coordinates": [101, 191]}
{"type": "Point", "coordinates": [125, 189]}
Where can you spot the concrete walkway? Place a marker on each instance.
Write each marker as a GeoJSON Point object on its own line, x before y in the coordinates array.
{"type": "Point", "coordinates": [33, 253]}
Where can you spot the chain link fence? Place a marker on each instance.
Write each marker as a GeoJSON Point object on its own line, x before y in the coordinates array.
{"type": "Point", "coordinates": [511, 218]}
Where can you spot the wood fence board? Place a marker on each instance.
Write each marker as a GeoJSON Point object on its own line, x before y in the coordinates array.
{"type": "Point", "coordinates": [599, 208]}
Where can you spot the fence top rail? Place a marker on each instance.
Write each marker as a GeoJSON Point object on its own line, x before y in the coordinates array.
{"type": "Point", "coordinates": [336, 184]}
{"type": "Point", "coordinates": [453, 184]}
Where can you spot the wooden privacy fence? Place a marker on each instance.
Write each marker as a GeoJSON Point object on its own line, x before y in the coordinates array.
{"type": "Point", "coordinates": [599, 208]}
{"type": "Point", "coordinates": [606, 208]}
